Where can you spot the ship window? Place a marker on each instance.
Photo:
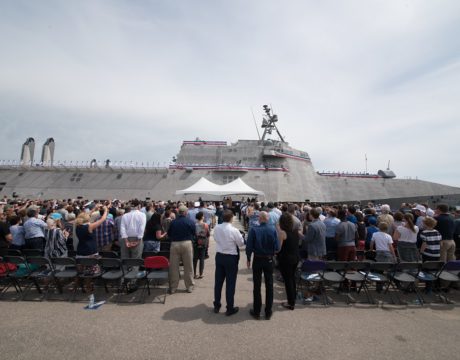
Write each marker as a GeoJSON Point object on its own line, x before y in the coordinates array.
{"type": "Point", "coordinates": [77, 179]}
{"type": "Point", "coordinates": [119, 176]}
{"type": "Point", "coordinates": [80, 175]}
{"type": "Point", "coordinates": [20, 174]}
{"type": "Point", "coordinates": [74, 174]}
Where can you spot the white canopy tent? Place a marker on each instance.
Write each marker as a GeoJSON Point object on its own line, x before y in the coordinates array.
{"type": "Point", "coordinates": [239, 187]}
{"type": "Point", "coordinates": [202, 186]}
{"type": "Point", "coordinates": [206, 187]}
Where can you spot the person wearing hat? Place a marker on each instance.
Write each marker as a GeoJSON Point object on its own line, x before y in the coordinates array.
{"type": "Point", "coordinates": [419, 215]}
{"type": "Point", "coordinates": [181, 233]}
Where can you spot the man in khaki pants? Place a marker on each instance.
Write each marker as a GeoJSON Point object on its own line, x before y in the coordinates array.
{"type": "Point", "coordinates": [181, 233]}
{"type": "Point", "coordinates": [445, 226]}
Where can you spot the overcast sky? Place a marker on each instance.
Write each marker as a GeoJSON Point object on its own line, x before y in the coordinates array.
{"type": "Point", "coordinates": [130, 80]}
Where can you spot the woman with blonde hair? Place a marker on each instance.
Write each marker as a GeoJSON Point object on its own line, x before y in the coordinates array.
{"type": "Point", "coordinates": [87, 245]}
{"type": "Point", "coordinates": [406, 236]}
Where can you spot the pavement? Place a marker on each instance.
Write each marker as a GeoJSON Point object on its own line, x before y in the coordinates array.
{"type": "Point", "coordinates": [185, 327]}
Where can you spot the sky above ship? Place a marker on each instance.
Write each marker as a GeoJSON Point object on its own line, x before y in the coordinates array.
{"type": "Point", "coordinates": [130, 80]}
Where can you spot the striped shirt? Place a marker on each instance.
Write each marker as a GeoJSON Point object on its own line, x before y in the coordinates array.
{"type": "Point", "coordinates": [432, 239]}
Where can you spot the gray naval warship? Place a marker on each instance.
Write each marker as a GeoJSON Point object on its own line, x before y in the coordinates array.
{"type": "Point", "coordinates": [268, 164]}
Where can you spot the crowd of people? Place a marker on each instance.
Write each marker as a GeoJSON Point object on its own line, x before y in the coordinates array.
{"type": "Point", "coordinates": [277, 233]}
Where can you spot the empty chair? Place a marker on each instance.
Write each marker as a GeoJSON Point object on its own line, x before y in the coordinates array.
{"type": "Point", "coordinates": [5, 269]}
{"type": "Point", "coordinates": [429, 273]}
{"type": "Point", "coordinates": [147, 254]}
{"type": "Point", "coordinates": [112, 272]}
{"type": "Point", "coordinates": [157, 272]}
{"type": "Point", "coordinates": [311, 274]}
{"type": "Point", "coordinates": [109, 254]}
{"type": "Point", "coordinates": [357, 272]}
{"type": "Point", "coordinates": [10, 252]}
{"type": "Point", "coordinates": [404, 277]}
{"type": "Point", "coordinates": [32, 253]}
{"type": "Point", "coordinates": [65, 269]}
{"type": "Point", "coordinates": [133, 273]}
{"type": "Point", "coordinates": [42, 277]}
{"type": "Point", "coordinates": [450, 274]}
{"type": "Point", "coordinates": [19, 278]}
{"type": "Point", "coordinates": [88, 271]}
{"type": "Point", "coordinates": [378, 274]}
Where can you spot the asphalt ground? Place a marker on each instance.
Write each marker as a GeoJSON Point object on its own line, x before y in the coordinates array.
{"type": "Point", "coordinates": [185, 327]}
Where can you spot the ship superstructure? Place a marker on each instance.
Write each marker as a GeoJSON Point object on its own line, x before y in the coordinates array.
{"type": "Point", "coordinates": [268, 164]}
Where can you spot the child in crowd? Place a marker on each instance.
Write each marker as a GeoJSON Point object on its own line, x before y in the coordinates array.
{"type": "Point", "coordinates": [383, 244]}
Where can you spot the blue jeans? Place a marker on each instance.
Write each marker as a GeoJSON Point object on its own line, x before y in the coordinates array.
{"type": "Point", "coordinates": [226, 270]}
{"type": "Point", "coordinates": [150, 245]}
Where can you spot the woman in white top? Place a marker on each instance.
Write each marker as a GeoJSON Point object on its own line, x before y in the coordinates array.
{"type": "Point", "coordinates": [383, 244]}
{"type": "Point", "coordinates": [407, 240]}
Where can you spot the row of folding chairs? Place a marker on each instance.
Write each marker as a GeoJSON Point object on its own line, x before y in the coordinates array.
{"type": "Point", "coordinates": [24, 273]}
{"type": "Point", "coordinates": [399, 277]}
{"type": "Point", "coordinates": [106, 254]}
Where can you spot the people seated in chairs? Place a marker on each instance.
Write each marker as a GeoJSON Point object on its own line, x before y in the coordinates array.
{"type": "Point", "coordinates": [200, 244]}
{"type": "Point", "coordinates": [383, 244]}
{"type": "Point", "coordinates": [406, 235]}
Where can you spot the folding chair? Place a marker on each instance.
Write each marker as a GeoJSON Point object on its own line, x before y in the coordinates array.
{"type": "Point", "coordinates": [165, 246]}
{"type": "Point", "coordinates": [429, 272]}
{"type": "Point", "coordinates": [406, 272]}
{"type": "Point", "coordinates": [158, 272]}
{"type": "Point", "coordinates": [10, 252]}
{"type": "Point", "coordinates": [147, 254]}
{"type": "Point", "coordinates": [357, 271]}
{"type": "Point", "coordinates": [44, 273]}
{"type": "Point", "coordinates": [164, 253]}
{"type": "Point", "coordinates": [133, 273]}
{"type": "Point", "coordinates": [450, 272]}
{"type": "Point", "coordinates": [112, 271]}
{"type": "Point", "coordinates": [109, 254]}
{"type": "Point", "coordinates": [5, 269]}
{"type": "Point", "coordinates": [19, 277]}
{"type": "Point", "coordinates": [87, 276]}
{"type": "Point", "coordinates": [32, 253]}
{"type": "Point", "coordinates": [378, 274]}
{"type": "Point", "coordinates": [311, 274]}
{"type": "Point", "coordinates": [65, 268]}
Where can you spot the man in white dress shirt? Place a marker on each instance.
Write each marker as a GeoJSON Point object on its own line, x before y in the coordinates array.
{"type": "Point", "coordinates": [228, 240]}
{"type": "Point", "coordinates": [132, 229]}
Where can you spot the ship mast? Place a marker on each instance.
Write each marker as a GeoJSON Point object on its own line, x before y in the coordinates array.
{"type": "Point", "coordinates": [269, 123]}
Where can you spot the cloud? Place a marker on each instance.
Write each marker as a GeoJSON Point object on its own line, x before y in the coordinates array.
{"type": "Point", "coordinates": [130, 80]}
